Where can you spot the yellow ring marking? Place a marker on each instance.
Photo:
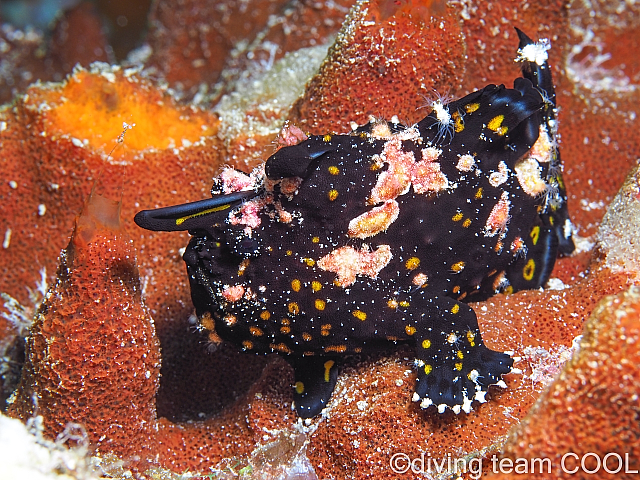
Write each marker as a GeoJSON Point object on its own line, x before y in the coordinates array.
{"type": "Point", "coordinates": [529, 269]}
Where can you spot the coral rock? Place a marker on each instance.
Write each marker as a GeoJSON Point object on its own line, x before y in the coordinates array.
{"type": "Point", "coordinates": [77, 37]}
{"type": "Point", "coordinates": [191, 39]}
{"type": "Point", "coordinates": [91, 324]}
{"type": "Point", "coordinates": [66, 51]}
{"type": "Point", "coordinates": [195, 44]}
{"type": "Point", "coordinates": [394, 58]}
{"type": "Point", "coordinates": [55, 141]}
{"type": "Point", "coordinates": [384, 52]}
{"type": "Point", "coordinates": [619, 233]}
{"type": "Point", "coordinates": [591, 409]}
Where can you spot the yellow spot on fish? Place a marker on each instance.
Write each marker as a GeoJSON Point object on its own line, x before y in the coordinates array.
{"type": "Point", "coordinates": [404, 304]}
{"type": "Point", "coordinates": [285, 330]}
{"type": "Point", "coordinates": [428, 369]}
{"type": "Point", "coordinates": [327, 370]}
{"type": "Point", "coordinates": [508, 290]}
{"type": "Point", "coordinates": [412, 263]}
{"type": "Point", "coordinates": [316, 286]}
{"type": "Point", "coordinates": [207, 321]}
{"type": "Point", "coordinates": [471, 338]}
{"type": "Point", "coordinates": [495, 125]}
{"type": "Point", "coordinates": [495, 122]}
{"type": "Point", "coordinates": [327, 138]}
{"type": "Point", "coordinates": [535, 234]}
{"type": "Point", "coordinates": [214, 338]}
{"type": "Point", "coordinates": [289, 253]}
{"type": "Point", "coordinates": [294, 308]}
{"type": "Point", "coordinates": [247, 344]}
{"type": "Point", "coordinates": [299, 388]}
{"type": "Point", "coordinates": [459, 366]}
{"type": "Point", "coordinates": [466, 223]}
{"type": "Point", "coordinates": [457, 217]}
{"type": "Point", "coordinates": [324, 329]}
{"type": "Point", "coordinates": [280, 347]}
{"type": "Point", "coordinates": [320, 304]}
{"type": "Point", "coordinates": [479, 193]}
{"type": "Point", "coordinates": [426, 344]}
{"type": "Point", "coordinates": [459, 354]}
{"type": "Point", "coordinates": [455, 309]}
{"type": "Point", "coordinates": [458, 267]}
{"type": "Point", "coordinates": [471, 107]}
{"type": "Point", "coordinates": [376, 164]}
{"type": "Point", "coordinates": [315, 239]}
{"type": "Point", "coordinates": [336, 348]}
{"type": "Point", "coordinates": [256, 332]}
{"type": "Point", "coordinates": [309, 261]}
{"type": "Point", "coordinates": [393, 304]}
{"type": "Point", "coordinates": [285, 321]}
{"type": "Point", "coordinates": [458, 122]}
{"type": "Point", "coordinates": [529, 269]}
{"type": "Point", "coordinates": [359, 314]}
{"type": "Point", "coordinates": [333, 194]}
{"type": "Point", "coordinates": [306, 337]}
{"type": "Point", "coordinates": [296, 285]}
{"type": "Point", "coordinates": [333, 170]}
{"type": "Point", "coordinates": [410, 330]}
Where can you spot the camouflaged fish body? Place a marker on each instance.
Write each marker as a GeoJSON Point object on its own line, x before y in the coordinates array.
{"type": "Point", "coordinates": [340, 244]}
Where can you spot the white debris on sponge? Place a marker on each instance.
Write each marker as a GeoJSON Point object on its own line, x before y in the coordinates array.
{"type": "Point", "coordinates": [26, 455]}
{"type": "Point", "coordinates": [556, 284]}
{"type": "Point", "coordinates": [282, 458]}
{"type": "Point", "coordinates": [545, 364]}
{"type": "Point", "coordinates": [619, 233]}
